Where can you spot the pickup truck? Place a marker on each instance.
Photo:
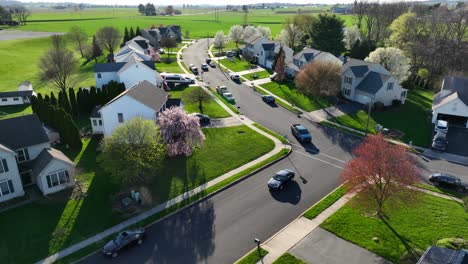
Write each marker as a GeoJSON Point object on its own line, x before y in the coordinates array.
{"type": "Point", "coordinates": [301, 133]}
{"type": "Point", "coordinates": [221, 89]}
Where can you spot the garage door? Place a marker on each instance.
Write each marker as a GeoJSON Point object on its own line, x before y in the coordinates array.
{"type": "Point", "coordinates": [363, 99]}
{"type": "Point", "coordinates": [453, 120]}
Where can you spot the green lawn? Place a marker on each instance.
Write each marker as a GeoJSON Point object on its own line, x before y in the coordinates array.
{"type": "Point", "coordinates": [211, 108]}
{"type": "Point", "coordinates": [253, 257]}
{"type": "Point", "coordinates": [171, 67]}
{"type": "Point", "coordinates": [236, 65]}
{"type": "Point", "coordinates": [325, 203]}
{"type": "Point", "coordinates": [53, 224]}
{"type": "Point", "coordinates": [279, 137]}
{"type": "Point", "coordinates": [287, 258]}
{"type": "Point", "coordinates": [260, 75]}
{"type": "Point", "coordinates": [357, 120]}
{"type": "Point", "coordinates": [407, 228]}
{"type": "Point", "coordinates": [288, 92]}
{"type": "Point", "coordinates": [440, 190]}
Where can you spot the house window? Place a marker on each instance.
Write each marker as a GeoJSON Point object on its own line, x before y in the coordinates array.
{"type": "Point", "coordinates": [389, 86]}
{"type": "Point", "coordinates": [347, 92]}
{"type": "Point", "coordinates": [4, 99]}
{"type": "Point", "coordinates": [99, 76]}
{"type": "Point", "coordinates": [348, 80]}
{"type": "Point", "coordinates": [58, 178]}
{"type": "Point", "coordinates": [3, 166]}
{"type": "Point", "coordinates": [22, 155]}
{"type": "Point", "coordinates": [100, 122]}
{"type": "Point", "coordinates": [120, 117]}
{"type": "Point", "coordinates": [15, 99]}
{"type": "Point", "coordinates": [6, 187]}
{"type": "Point", "coordinates": [94, 122]}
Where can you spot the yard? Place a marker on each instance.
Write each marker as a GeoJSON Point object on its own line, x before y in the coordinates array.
{"type": "Point", "coordinates": [55, 223]}
{"type": "Point", "coordinates": [288, 92]}
{"type": "Point", "coordinates": [259, 75]}
{"type": "Point", "coordinates": [211, 108]}
{"type": "Point", "coordinates": [407, 227]}
{"type": "Point", "coordinates": [168, 66]}
{"type": "Point", "coordinates": [236, 65]}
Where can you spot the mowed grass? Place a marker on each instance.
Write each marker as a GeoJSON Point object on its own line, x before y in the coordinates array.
{"type": "Point", "coordinates": [357, 120]}
{"type": "Point", "coordinates": [288, 92]}
{"type": "Point", "coordinates": [259, 75]}
{"type": "Point", "coordinates": [253, 257]}
{"type": "Point", "coordinates": [50, 225]}
{"type": "Point", "coordinates": [287, 258]}
{"type": "Point", "coordinates": [236, 65]}
{"type": "Point", "coordinates": [407, 227]}
{"type": "Point", "coordinates": [211, 108]}
{"type": "Point", "coordinates": [325, 203]}
{"type": "Point", "coordinates": [170, 66]}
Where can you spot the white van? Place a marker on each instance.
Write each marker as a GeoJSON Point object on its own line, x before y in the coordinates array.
{"type": "Point", "coordinates": [175, 78]}
{"type": "Point", "coordinates": [442, 126]}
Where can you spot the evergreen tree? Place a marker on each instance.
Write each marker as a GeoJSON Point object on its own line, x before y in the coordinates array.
{"type": "Point", "coordinates": [141, 9]}
{"type": "Point", "coordinates": [39, 96]}
{"type": "Point", "coordinates": [86, 102]}
{"type": "Point", "coordinates": [92, 98]}
{"type": "Point", "coordinates": [73, 102]}
{"type": "Point", "coordinates": [96, 50]}
{"type": "Point", "coordinates": [138, 31]}
{"type": "Point", "coordinates": [126, 36]}
{"type": "Point", "coordinates": [47, 99]}
{"type": "Point", "coordinates": [326, 34]}
{"type": "Point", "coordinates": [132, 33]}
{"type": "Point", "coordinates": [53, 100]}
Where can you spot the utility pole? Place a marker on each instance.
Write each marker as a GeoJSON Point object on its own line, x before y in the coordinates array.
{"type": "Point", "coordinates": [368, 116]}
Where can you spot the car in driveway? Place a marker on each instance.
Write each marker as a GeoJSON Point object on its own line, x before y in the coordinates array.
{"type": "Point", "coordinates": [268, 98]}
{"type": "Point", "coordinates": [439, 143]}
{"type": "Point", "coordinates": [449, 181]}
{"type": "Point", "coordinates": [204, 67]}
{"type": "Point", "coordinates": [301, 133]}
{"type": "Point", "coordinates": [280, 179]}
{"type": "Point", "coordinates": [234, 77]}
{"type": "Point", "coordinates": [123, 240]}
{"type": "Point", "coordinates": [229, 97]}
{"type": "Point", "coordinates": [441, 125]}
{"type": "Point", "coordinates": [203, 119]}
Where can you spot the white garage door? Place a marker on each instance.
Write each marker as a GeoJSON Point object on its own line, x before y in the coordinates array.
{"type": "Point", "coordinates": [363, 99]}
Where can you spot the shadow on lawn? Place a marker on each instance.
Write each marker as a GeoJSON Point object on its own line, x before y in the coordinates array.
{"type": "Point", "coordinates": [412, 253]}
{"type": "Point", "coordinates": [346, 141]}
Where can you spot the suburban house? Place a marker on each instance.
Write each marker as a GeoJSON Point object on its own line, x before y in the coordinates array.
{"type": "Point", "coordinates": [130, 72]}
{"type": "Point", "coordinates": [451, 103]}
{"type": "Point", "coordinates": [144, 100]}
{"type": "Point", "coordinates": [367, 82]}
{"type": "Point", "coordinates": [306, 56]}
{"type": "Point", "coordinates": [269, 49]}
{"type": "Point", "coordinates": [155, 34]}
{"type": "Point", "coordinates": [137, 48]}
{"type": "Point", "coordinates": [26, 158]}
{"type": "Point", "coordinates": [22, 96]}
{"type": "Point", "coordinates": [253, 45]}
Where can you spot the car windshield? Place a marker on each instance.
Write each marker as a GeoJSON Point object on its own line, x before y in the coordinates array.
{"type": "Point", "coordinates": [280, 177]}
{"type": "Point", "coordinates": [303, 131]}
{"type": "Point", "coordinates": [439, 140]}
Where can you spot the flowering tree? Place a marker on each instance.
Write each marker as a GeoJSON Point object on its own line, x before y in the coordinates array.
{"type": "Point", "coordinates": [236, 33]}
{"type": "Point", "coordinates": [380, 171]}
{"type": "Point", "coordinates": [351, 35]}
{"type": "Point", "coordinates": [290, 35]}
{"type": "Point", "coordinates": [180, 132]}
{"type": "Point", "coordinates": [220, 40]}
{"type": "Point", "coordinates": [250, 31]}
{"type": "Point", "coordinates": [393, 60]}
{"type": "Point", "coordinates": [264, 31]}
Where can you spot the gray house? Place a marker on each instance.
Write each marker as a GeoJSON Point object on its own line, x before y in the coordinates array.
{"type": "Point", "coordinates": [21, 96]}
{"type": "Point", "coordinates": [308, 55]}
{"type": "Point", "coordinates": [268, 51]}
{"type": "Point", "coordinates": [451, 103]}
{"type": "Point", "coordinates": [155, 34]}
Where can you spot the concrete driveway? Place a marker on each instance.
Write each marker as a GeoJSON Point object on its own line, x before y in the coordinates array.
{"type": "Point", "coordinates": [18, 34]}
{"type": "Point", "coordinates": [457, 138]}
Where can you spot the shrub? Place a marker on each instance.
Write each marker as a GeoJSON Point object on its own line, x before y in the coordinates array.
{"type": "Point", "coordinates": [379, 106]}
{"type": "Point", "coordinates": [456, 243]}
{"type": "Point", "coordinates": [396, 102]}
{"type": "Point", "coordinates": [408, 84]}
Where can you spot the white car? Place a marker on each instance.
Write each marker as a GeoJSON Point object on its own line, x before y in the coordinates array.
{"type": "Point", "coordinates": [229, 97]}
{"type": "Point", "coordinates": [234, 77]}
{"type": "Point", "coordinates": [442, 126]}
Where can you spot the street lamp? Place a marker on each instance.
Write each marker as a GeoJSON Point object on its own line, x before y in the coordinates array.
{"type": "Point", "coordinates": [257, 241]}
{"type": "Point", "coordinates": [368, 115]}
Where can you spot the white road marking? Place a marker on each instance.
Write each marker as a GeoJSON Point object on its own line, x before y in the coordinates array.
{"type": "Point", "coordinates": [328, 156]}
{"type": "Point", "coordinates": [324, 161]}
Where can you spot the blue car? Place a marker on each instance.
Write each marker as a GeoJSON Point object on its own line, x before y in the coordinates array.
{"type": "Point", "coordinates": [301, 133]}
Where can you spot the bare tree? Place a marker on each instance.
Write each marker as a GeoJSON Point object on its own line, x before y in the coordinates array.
{"type": "Point", "coordinates": [58, 64]}
{"type": "Point", "coordinates": [109, 38]}
{"type": "Point", "coordinates": [168, 43]}
{"type": "Point", "coordinates": [319, 78]}
{"type": "Point", "coordinates": [290, 35]}
{"type": "Point", "coordinates": [197, 95]}
{"type": "Point", "coordinates": [79, 37]}
{"type": "Point", "coordinates": [20, 13]}
{"type": "Point", "coordinates": [359, 11]}
{"type": "Point", "coordinates": [280, 66]}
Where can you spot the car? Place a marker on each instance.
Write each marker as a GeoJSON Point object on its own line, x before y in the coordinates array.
{"type": "Point", "coordinates": [441, 125]}
{"type": "Point", "coordinates": [301, 133]}
{"type": "Point", "coordinates": [268, 98]}
{"type": "Point", "coordinates": [212, 64]}
{"type": "Point", "coordinates": [193, 68]}
{"type": "Point", "coordinates": [203, 119]}
{"type": "Point", "coordinates": [230, 54]}
{"type": "Point", "coordinates": [123, 240]}
{"type": "Point", "coordinates": [221, 89]}
{"type": "Point", "coordinates": [439, 143]}
{"type": "Point", "coordinates": [204, 67]}
{"type": "Point", "coordinates": [229, 97]}
{"type": "Point", "coordinates": [208, 61]}
{"type": "Point", "coordinates": [234, 77]}
{"type": "Point", "coordinates": [450, 181]}
{"type": "Point", "coordinates": [280, 179]}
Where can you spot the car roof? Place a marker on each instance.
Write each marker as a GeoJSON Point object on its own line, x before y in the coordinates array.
{"type": "Point", "coordinates": [283, 172]}
{"type": "Point", "coordinates": [300, 127]}
{"type": "Point", "coordinates": [442, 123]}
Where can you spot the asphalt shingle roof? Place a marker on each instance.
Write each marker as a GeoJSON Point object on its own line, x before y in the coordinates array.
{"type": "Point", "coordinates": [22, 131]}
{"type": "Point", "coordinates": [458, 85]}
{"type": "Point", "coordinates": [437, 255]}
{"type": "Point", "coordinates": [45, 157]}
{"type": "Point", "coordinates": [373, 82]}
{"type": "Point", "coordinates": [16, 94]}
{"type": "Point", "coordinates": [360, 70]}
{"type": "Point", "coordinates": [115, 67]}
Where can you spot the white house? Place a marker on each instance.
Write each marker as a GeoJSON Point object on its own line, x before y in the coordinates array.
{"type": "Point", "coordinates": [365, 82]}
{"type": "Point", "coordinates": [138, 48]}
{"type": "Point", "coordinates": [269, 49]}
{"type": "Point", "coordinates": [22, 96]}
{"type": "Point", "coordinates": [451, 103]}
{"type": "Point", "coordinates": [26, 158]}
{"type": "Point", "coordinates": [142, 100]}
{"type": "Point", "coordinates": [130, 73]}
{"type": "Point", "coordinates": [308, 55]}
{"type": "Point", "coordinates": [253, 45]}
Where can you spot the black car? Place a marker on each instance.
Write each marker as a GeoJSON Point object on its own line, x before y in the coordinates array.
{"type": "Point", "coordinates": [230, 54]}
{"type": "Point", "coordinates": [301, 133]}
{"type": "Point", "coordinates": [449, 181]}
{"type": "Point", "coordinates": [204, 119]}
{"type": "Point", "coordinates": [269, 99]}
{"type": "Point", "coordinates": [123, 239]}
{"type": "Point", "coordinates": [440, 142]}
{"type": "Point", "coordinates": [280, 179]}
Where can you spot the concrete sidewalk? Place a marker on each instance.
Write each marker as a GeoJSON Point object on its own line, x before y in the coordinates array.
{"type": "Point", "coordinates": [258, 69]}
{"type": "Point", "coordinates": [446, 156]}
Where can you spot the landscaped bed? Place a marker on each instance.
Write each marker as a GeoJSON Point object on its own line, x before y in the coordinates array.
{"type": "Point", "coordinates": [57, 222]}
{"type": "Point", "coordinates": [211, 108]}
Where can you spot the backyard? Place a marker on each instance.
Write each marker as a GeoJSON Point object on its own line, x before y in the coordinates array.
{"type": "Point", "coordinates": [59, 221]}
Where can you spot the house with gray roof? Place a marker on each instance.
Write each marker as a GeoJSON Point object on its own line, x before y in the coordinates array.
{"type": "Point", "coordinates": [367, 82]}
{"type": "Point", "coordinates": [156, 34]}
{"type": "Point", "coordinates": [451, 103]}
{"type": "Point", "coordinates": [26, 158]}
{"type": "Point", "coordinates": [253, 46]}
{"type": "Point", "coordinates": [21, 96]}
{"type": "Point", "coordinates": [306, 56]}
{"type": "Point", "coordinates": [268, 51]}
{"type": "Point", "coordinates": [142, 100]}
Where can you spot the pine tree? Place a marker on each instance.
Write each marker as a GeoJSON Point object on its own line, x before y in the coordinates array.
{"type": "Point", "coordinates": [138, 31]}
{"type": "Point", "coordinates": [73, 102]}
{"type": "Point", "coordinates": [97, 51]}
{"type": "Point", "coordinates": [126, 36]}
{"type": "Point", "coordinates": [86, 102]}
{"type": "Point", "coordinates": [53, 100]}
{"type": "Point", "coordinates": [132, 33]}
{"type": "Point", "coordinates": [93, 99]}
{"type": "Point", "coordinates": [47, 99]}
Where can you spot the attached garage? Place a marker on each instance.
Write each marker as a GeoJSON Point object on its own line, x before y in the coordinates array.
{"type": "Point", "coordinates": [451, 103]}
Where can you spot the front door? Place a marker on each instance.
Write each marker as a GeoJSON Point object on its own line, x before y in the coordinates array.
{"type": "Point", "coordinates": [26, 178]}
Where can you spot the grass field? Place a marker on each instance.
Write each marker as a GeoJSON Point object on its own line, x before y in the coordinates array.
{"type": "Point", "coordinates": [260, 75]}
{"type": "Point", "coordinates": [325, 203]}
{"type": "Point", "coordinates": [165, 66]}
{"type": "Point", "coordinates": [236, 65]}
{"type": "Point", "coordinates": [357, 120]}
{"type": "Point", "coordinates": [65, 221]}
{"type": "Point", "coordinates": [253, 257]}
{"type": "Point", "coordinates": [407, 227]}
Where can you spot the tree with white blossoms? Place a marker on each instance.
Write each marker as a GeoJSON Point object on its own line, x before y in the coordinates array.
{"type": "Point", "coordinates": [249, 31]}
{"type": "Point", "coordinates": [290, 35]}
{"type": "Point", "coordinates": [351, 35]}
{"type": "Point", "coordinates": [393, 60]}
{"type": "Point", "coordinates": [264, 31]}
{"type": "Point", "coordinates": [236, 33]}
{"type": "Point", "coordinates": [220, 40]}
{"type": "Point", "coordinates": [180, 132]}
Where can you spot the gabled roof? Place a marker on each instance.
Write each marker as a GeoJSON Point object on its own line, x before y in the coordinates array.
{"type": "Point", "coordinates": [45, 157]}
{"type": "Point", "coordinates": [6, 149]}
{"type": "Point", "coordinates": [359, 67]}
{"type": "Point", "coordinates": [372, 82]}
{"type": "Point", "coordinates": [115, 67]}
{"type": "Point", "coordinates": [253, 39]}
{"type": "Point", "coordinates": [359, 71]}
{"type": "Point", "coordinates": [22, 131]}
{"type": "Point", "coordinates": [16, 94]}
{"type": "Point", "coordinates": [458, 85]}
{"type": "Point", "coordinates": [132, 61]}
{"type": "Point", "coordinates": [308, 53]}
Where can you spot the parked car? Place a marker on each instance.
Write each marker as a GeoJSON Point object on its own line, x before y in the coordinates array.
{"type": "Point", "coordinates": [234, 77]}
{"type": "Point", "coordinates": [221, 89]}
{"type": "Point", "coordinates": [439, 143]}
{"type": "Point", "coordinates": [212, 64]}
{"type": "Point", "coordinates": [204, 67]}
{"type": "Point", "coordinates": [230, 54]}
{"type": "Point", "coordinates": [176, 78]}
{"type": "Point", "coordinates": [208, 61]}
{"type": "Point", "coordinates": [123, 239]}
{"type": "Point", "coordinates": [193, 68]}
{"type": "Point", "coordinates": [449, 181]}
{"type": "Point", "coordinates": [229, 97]}
{"type": "Point", "coordinates": [441, 125]}
{"type": "Point", "coordinates": [280, 179]}
{"type": "Point", "coordinates": [268, 98]}
{"type": "Point", "coordinates": [203, 119]}
{"type": "Point", "coordinates": [301, 133]}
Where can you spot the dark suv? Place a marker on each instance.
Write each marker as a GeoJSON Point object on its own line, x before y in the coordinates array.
{"type": "Point", "coordinates": [301, 133]}
{"type": "Point", "coordinates": [449, 181]}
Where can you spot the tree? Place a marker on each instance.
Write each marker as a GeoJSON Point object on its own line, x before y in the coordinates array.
{"type": "Point", "coordinates": [359, 10]}
{"type": "Point", "coordinates": [134, 152]}
{"type": "Point", "coordinates": [73, 102]}
{"type": "Point", "coordinates": [280, 66]}
{"type": "Point", "coordinates": [326, 34]}
{"type": "Point", "coordinates": [249, 31]}
{"type": "Point", "coordinates": [319, 78]}
{"type": "Point", "coordinates": [404, 34]}
{"type": "Point", "coordinates": [58, 64]}
{"type": "Point", "coordinates": [351, 35]}
{"type": "Point", "coordinates": [79, 37]}
{"type": "Point", "coordinates": [138, 31]}
{"type": "Point", "coordinates": [168, 43]}
{"type": "Point", "coordinates": [393, 60]}
{"type": "Point", "coordinates": [180, 132]}
{"type": "Point", "coordinates": [169, 10]}
{"type": "Point", "coordinates": [361, 49]}
{"type": "Point", "coordinates": [290, 35]}
{"type": "Point", "coordinates": [198, 95]}
{"type": "Point", "coordinates": [220, 40]}
{"type": "Point", "coordinates": [264, 31]}
{"type": "Point", "coordinates": [126, 36]}
{"type": "Point", "coordinates": [108, 38]}
{"type": "Point", "coordinates": [21, 14]}
{"type": "Point", "coordinates": [236, 33]}
{"type": "Point", "coordinates": [96, 50]}
{"type": "Point", "coordinates": [131, 34]}
{"type": "Point", "coordinates": [141, 9]}
{"type": "Point", "coordinates": [379, 172]}
{"type": "Point", "coordinates": [4, 14]}
{"type": "Point", "coordinates": [150, 10]}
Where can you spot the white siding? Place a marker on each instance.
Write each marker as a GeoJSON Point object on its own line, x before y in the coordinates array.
{"type": "Point", "coordinates": [345, 86]}
{"type": "Point", "coordinates": [54, 166]}
{"type": "Point", "coordinates": [136, 74]}
{"type": "Point", "coordinates": [12, 174]}
{"type": "Point", "coordinates": [97, 129]}
{"type": "Point", "coordinates": [35, 150]}
{"type": "Point", "coordinates": [10, 101]}
{"type": "Point", "coordinates": [387, 96]}
{"type": "Point", "coordinates": [130, 109]}
{"type": "Point", "coordinates": [455, 107]}
{"type": "Point", "coordinates": [106, 77]}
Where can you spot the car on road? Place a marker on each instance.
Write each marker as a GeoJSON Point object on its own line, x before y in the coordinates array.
{"type": "Point", "coordinates": [441, 125]}
{"type": "Point", "coordinates": [301, 133]}
{"type": "Point", "coordinates": [123, 240]}
{"type": "Point", "coordinates": [229, 97]}
{"type": "Point", "coordinates": [221, 89]}
{"type": "Point", "coordinates": [280, 179]}
{"type": "Point", "coordinates": [449, 181]}
{"type": "Point", "coordinates": [203, 119]}
{"type": "Point", "coordinates": [439, 143]}
{"type": "Point", "coordinates": [268, 98]}
{"type": "Point", "coordinates": [193, 68]}
{"type": "Point", "coordinates": [234, 77]}
{"type": "Point", "coordinates": [204, 67]}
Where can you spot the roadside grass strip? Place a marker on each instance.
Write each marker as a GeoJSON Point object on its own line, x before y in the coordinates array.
{"type": "Point", "coordinates": [253, 257]}
{"type": "Point", "coordinates": [287, 258]}
{"type": "Point", "coordinates": [326, 202]}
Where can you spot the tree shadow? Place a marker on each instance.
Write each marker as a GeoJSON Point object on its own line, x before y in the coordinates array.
{"type": "Point", "coordinates": [347, 141]}
{"type": "Point", "coordinates": [411, 250]}
{"type": "Point", "coordinates": [291, 193]}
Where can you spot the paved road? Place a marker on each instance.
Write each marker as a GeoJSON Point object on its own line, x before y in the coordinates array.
{"type": "Point", "coordinates": [221, 229]}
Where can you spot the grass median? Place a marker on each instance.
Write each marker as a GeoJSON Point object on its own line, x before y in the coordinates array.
{"type": "Point", "coordinates": [253, 257]}
{"type": "Point", "coordinates": [326, 202]}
